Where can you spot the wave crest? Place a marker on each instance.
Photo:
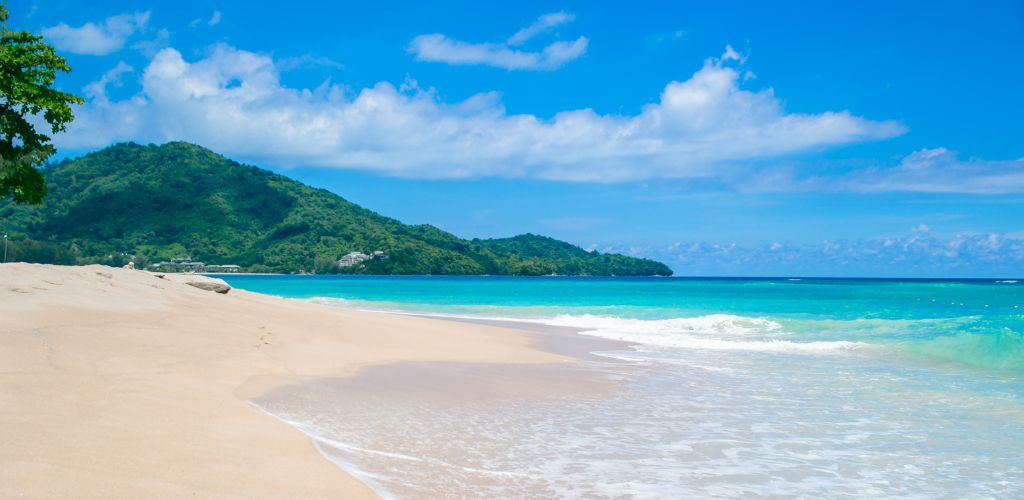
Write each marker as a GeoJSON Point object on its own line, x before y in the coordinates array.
{"type": "Point", "coordinates": [720, 332]}
{"type": "Point", "coordinates": [958, 341]}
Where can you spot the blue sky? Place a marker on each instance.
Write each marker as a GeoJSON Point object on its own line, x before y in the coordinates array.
{"type": "Point", "coordinates": [847, 139]}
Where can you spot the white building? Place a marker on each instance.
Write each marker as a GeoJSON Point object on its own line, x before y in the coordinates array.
{"type": "Point", "coordinates": [352, 258]}
{"type": "Point", "coordinates": [179, 265]}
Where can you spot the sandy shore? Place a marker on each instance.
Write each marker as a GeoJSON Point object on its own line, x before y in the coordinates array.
{"type": "Point", "coordinates": [119, 384]}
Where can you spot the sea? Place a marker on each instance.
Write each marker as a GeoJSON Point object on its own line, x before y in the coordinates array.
{"type": "Point", "coordinates": [783, 387]}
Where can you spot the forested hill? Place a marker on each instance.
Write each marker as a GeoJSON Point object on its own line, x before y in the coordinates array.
{"type": "Point", "coordinates": [154, 203]}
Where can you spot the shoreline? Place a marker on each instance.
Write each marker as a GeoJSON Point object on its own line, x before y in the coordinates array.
{"type": "Point", "coordinates": [120, 383]}
{"type": "Point", "coordinates": [417, 385]}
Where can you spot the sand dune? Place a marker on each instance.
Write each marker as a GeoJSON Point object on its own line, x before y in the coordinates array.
{"type": "Point", "coordinates": [120, 384]}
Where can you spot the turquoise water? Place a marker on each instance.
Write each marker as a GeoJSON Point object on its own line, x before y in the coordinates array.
{"type": "Point", "coordinates": [778, 387]}
{"type": "Point", "coordinates": [977, 324]}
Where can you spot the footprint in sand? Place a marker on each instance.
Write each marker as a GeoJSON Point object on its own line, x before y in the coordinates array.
{"type": "Point", "coordinates": [264, 338]}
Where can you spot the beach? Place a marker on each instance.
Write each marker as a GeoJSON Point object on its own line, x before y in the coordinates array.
{"type": "Point", "coordinates": [120, 384]}
{"type": "Point", "coordinates": [604, 250]}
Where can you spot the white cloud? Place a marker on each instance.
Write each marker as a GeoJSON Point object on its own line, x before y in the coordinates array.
{"type": "Point", "coordinates": [97, 39]}
{"type": "Point", "coordinates": [937, 170]}
{"type": "Point", "coordinates": [942, 171]}
{"type": "Point", "coordinates": [234, 102]}
{"type": "Point", "coordinates": [917, 253]}
{"type": "Point", "coordinates": [730, 54]}
{"type": "Point", "coordinates": [97, 91]}
{"type": "Point", "coordinates": [437, 47]}
{"type": "Point", "coordinates": [541, 25]}
{"type": "Point", "coordinates": [212, 21]}
{"type": "Point", "coordinates": [150, 47]}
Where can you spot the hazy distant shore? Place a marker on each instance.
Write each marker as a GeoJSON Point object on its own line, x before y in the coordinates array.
{"type": "Point", "coordinates": [118, 383]}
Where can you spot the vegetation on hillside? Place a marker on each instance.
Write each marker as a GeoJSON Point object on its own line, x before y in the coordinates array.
{"type": "Point", "coordinates": [531, 254]}
{"type": "Point", "coordinates": [153, 203]}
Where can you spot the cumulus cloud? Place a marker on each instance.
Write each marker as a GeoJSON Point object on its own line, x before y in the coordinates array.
{"type": "Point", "coordinates": [437, 47]}
{"type": "Point", "coordinates": [234, 102]}
{"type": "Point", "coordinates": [97, 39]}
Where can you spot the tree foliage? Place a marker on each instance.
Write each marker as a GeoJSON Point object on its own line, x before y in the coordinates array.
{"type": "Point", "coordinates": [28, 69]}
{"type": "Point", "coordinates": [180, 200]}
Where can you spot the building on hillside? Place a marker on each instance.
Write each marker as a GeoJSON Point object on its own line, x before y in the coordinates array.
{"type": "Point", "coordinates": [181, 264]}
{"type": "Point", "coordinates": [187, 265]}
{"type": "Point", "coordinates": [353, 258]}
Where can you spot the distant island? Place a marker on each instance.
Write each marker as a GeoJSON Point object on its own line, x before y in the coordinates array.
{"type": "Point", "coordinates": [179, 206]}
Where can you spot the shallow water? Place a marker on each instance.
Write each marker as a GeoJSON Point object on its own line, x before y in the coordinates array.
{"type": "Point", "coordinates": [772, 387]}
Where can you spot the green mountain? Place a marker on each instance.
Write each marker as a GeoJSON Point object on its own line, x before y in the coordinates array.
{"type": "Point", "coordinates": [154, 203]}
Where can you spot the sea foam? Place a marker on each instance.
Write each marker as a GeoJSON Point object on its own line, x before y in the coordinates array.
{"type": "Point", "coordinates": [964, 340]}
{"type": "Point", "coordinates": [720, 332]}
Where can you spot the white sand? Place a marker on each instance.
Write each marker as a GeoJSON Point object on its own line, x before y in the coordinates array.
{"type": "Point", "coordinates": [119, 384]}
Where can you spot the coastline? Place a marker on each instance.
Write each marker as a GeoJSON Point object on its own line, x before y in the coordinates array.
{"type": "Point", "coordinates": [119, 383]}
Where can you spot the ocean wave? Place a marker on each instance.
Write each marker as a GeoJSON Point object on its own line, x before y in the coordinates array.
{"type": "Point", "coordinates": [330, 301]}
{"type": "Point", "coordinates": [686, 341]}
{"type": "Point", "coordinates": [1007, 281]}
{"type": "Point", "coordinates": [963, 341]}
{"type": "Point", "coordinates": [718, 324]}
{"type": "Point", "coordinates": [957, 341]}
{"type": "Point", "coordinates": [719, 332]}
